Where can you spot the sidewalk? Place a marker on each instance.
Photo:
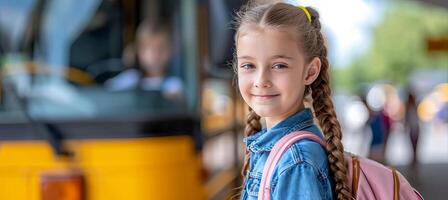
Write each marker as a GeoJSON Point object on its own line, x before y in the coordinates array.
{"type": "Point", "coordinates": [430, 180]}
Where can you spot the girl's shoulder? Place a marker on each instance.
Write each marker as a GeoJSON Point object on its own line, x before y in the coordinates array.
{"type": "Point", "coordinates": [305, 152]}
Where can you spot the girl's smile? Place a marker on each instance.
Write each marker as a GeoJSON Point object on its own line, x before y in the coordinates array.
{"type": "Point", "coordinates": [265, 97]}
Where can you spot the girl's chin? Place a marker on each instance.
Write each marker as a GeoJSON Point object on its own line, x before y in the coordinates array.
{"type": "Point", "coordinates": [263, 112]}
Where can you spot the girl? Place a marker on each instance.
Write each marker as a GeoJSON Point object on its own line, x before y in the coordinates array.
{"type": "Point", "coordinates": [281, 57]}
{"type": "Point", "coordinates": [153, 53]}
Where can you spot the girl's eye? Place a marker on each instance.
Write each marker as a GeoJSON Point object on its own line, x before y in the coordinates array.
{"type": "Point", "coordinates": [247, 66]}
{"type": "Point", "coordinates": [279, 66]}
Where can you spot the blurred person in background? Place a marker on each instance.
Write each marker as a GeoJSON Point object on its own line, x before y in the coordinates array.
{"type": "Point", "coordinates": [375, 124]}
{"type": "Point", "coordinates": [379, 123]}
{"type": "Point", "coordinates": [411, 123]}
{"type": "Point", "coordinates": [150, 68]}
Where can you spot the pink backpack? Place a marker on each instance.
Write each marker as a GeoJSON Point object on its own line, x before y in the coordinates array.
{"type": "Point", "coordinates": [367, 178]}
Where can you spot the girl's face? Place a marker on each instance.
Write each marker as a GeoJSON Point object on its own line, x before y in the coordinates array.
{"type": "Point", "coordinates": [154, 53]}
{"type": "Point", "coordinates": [272, 73]}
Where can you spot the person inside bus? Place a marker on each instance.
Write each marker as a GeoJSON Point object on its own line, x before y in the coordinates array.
{"type": "Point", "coordinates": [150, 71]}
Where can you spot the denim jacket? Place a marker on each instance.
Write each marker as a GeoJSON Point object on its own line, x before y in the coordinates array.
{"type": "Point", "coordinates": [302, 172]}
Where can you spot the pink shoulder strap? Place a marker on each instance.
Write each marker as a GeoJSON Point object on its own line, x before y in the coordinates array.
{"type": "Point", "coordinates": [276, 153]}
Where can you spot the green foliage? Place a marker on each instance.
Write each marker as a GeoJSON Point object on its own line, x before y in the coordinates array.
{"type": "Point", "coordinates": [398, 46]}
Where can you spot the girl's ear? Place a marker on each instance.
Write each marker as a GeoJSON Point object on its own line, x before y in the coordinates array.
{"type": "Point", "coordinates": [312, 71]}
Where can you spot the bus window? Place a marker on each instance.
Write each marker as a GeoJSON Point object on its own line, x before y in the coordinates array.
{"type": "Point", "coordinates": [115, 59]}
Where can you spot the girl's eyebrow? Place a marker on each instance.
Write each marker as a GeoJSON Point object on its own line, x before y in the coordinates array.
{"type": "Point", "coordinates": [282, 57]}
{"type": "Point", "coordinates": [273, 57]}
{"type": "Point", "coordinates": [245, 57]}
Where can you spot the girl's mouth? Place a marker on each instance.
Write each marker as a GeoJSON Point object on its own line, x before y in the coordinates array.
{"type": "Point", "coordinates": [265, 97]}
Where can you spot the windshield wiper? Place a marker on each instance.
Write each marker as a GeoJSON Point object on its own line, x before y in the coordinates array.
{"type": "Point", "coordinates": [48, 131]}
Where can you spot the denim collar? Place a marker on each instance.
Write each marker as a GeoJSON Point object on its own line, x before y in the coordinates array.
{"type": "Point", "coordinates": [264, 140]}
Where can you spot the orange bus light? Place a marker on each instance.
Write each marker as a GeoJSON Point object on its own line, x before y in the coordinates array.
{"type": "Point", "coordinates": [62, 187]}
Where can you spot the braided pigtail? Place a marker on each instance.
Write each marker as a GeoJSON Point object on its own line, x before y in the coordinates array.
{"type": "Point", "coordinates": [253, 125]}
{"type": "Point", "coordinates": [326, 115]}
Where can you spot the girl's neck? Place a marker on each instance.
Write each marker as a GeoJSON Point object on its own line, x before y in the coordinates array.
{"type": "Point", "coordinates": [272, 121]}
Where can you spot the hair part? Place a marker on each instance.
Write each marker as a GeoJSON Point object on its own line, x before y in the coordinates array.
{"type": "Point", "coordinates": [310, 41]}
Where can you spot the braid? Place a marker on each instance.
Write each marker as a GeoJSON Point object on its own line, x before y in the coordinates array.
{"type": "Point", "coordinates": [325, 114]}
{"type": "Point", "coordinates": [253, 125]}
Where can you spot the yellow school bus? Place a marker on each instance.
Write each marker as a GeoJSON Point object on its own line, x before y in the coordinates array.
{"type": "Point", "coordinates": [64, 135]}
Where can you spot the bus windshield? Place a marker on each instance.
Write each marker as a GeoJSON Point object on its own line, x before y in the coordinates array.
{"type": "Point", "coordinates": [93, 59]}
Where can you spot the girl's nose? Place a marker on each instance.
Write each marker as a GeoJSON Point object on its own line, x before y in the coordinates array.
{"type": "Point", "coordinates": [264, 85]}
{"type": "Point", "coordinates": [263, 81]}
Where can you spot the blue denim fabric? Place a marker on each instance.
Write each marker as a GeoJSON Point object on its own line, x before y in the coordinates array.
{"type": "Point", "coordinates": [302, 172]}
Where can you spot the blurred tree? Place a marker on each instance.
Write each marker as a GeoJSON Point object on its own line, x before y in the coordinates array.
{"type": "Point", "coordinates": [398, 47]}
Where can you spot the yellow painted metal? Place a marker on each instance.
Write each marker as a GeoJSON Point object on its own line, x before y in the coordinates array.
{"type": "Point", "coordinates": [131, 169]}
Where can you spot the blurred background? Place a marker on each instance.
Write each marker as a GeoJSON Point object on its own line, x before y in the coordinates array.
{"type": "Point", "coordinates": [118, 99]}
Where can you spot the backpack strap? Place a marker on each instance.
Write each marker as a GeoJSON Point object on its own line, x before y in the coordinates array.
{"type": "Point", "coordinates": [264, 192]}
{"type": "Point", "coordinates": [355, 174]}
{"type": "Point", "coordinates": [396, 184]}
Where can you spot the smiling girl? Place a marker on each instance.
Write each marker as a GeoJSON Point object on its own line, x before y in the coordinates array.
{"type": "Point", "coordinates": [281, 57]}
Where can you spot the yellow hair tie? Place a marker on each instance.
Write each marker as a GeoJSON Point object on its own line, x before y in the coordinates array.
{"type": "Point", "coordinates": [308, 16]}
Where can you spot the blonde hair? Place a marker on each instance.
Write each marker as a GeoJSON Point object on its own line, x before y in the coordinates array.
{"type": "Point", "coordinates": [281, 16]}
